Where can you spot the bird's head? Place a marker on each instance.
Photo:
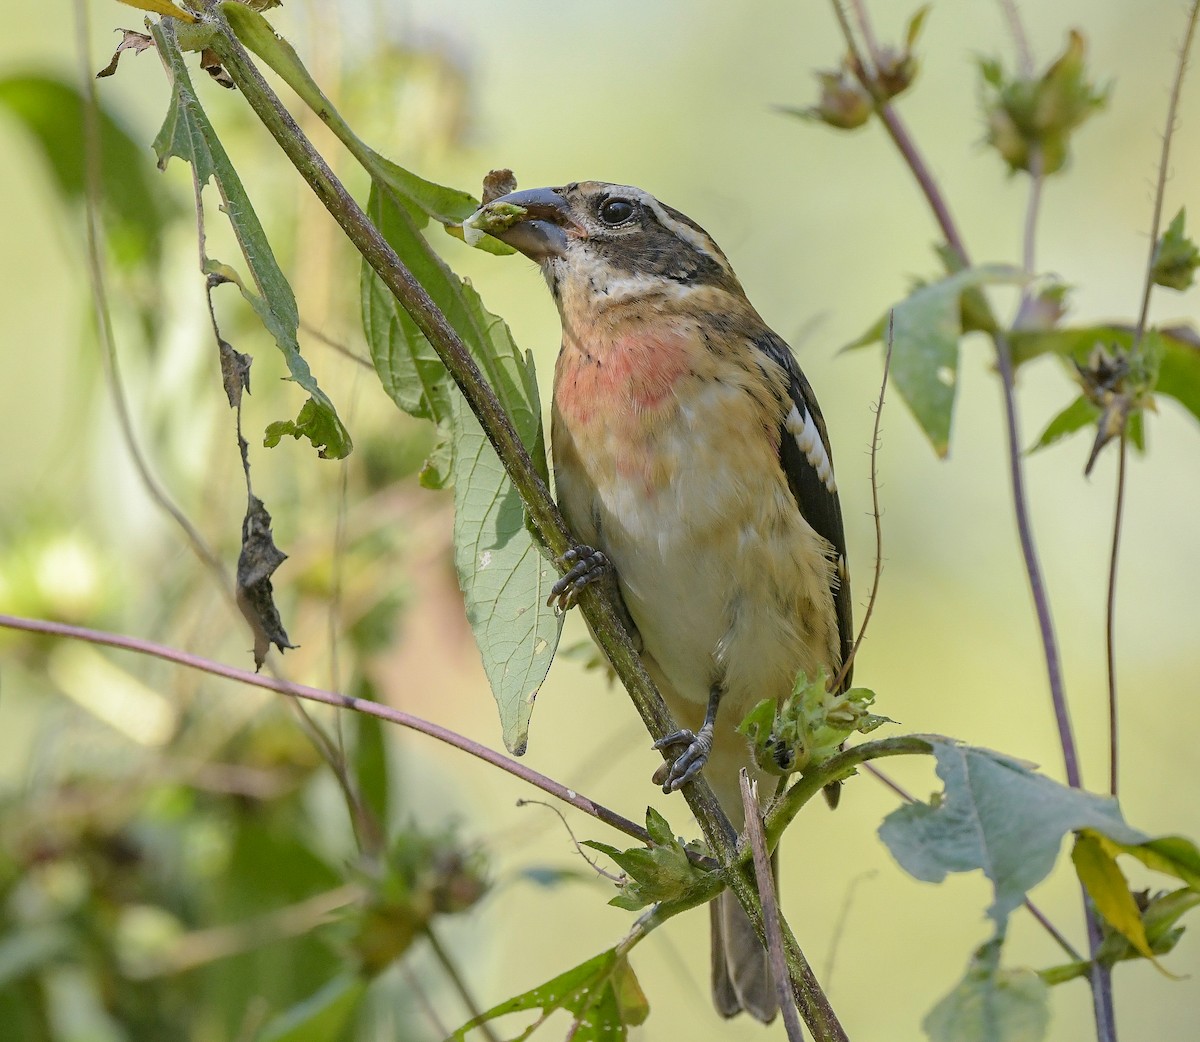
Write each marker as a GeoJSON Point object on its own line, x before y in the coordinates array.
{"type": "Point", "coordinates": [611, 242]}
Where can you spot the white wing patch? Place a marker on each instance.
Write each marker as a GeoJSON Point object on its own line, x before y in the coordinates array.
{"type": "Point", "coordinates": [804, 430]}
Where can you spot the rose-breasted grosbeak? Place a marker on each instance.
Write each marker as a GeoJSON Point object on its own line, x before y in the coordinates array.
{"type": "Point", "coordinates": [690, 452]}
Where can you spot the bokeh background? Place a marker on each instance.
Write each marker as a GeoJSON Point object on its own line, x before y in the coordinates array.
{"type": "Point", "coordinates": [826, 230]}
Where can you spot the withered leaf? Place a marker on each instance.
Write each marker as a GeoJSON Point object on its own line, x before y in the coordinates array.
{"type": "Point", "coordinates": [130, 41]}
{"type": "Point", "coordinates": [497, 183]}
{"type": "Point", "coordinates": [235, 372]}
{"type": "Point", "coordinates": [255, 596]}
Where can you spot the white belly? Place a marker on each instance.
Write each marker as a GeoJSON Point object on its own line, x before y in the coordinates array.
{"type": "Point", "coordinates": [725, 580]}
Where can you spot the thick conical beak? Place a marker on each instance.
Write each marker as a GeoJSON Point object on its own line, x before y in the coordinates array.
{"type": "Point", "coordinates": [542, 231]}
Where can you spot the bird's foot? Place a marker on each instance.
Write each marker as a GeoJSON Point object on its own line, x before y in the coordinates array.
{"type": "Point", "coordinates": [695, 746]}
{"type": "Point", "coordinates": [588, 565]}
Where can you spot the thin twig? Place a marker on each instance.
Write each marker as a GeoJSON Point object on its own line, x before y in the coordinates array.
{"type": "Point", "coordinates": [856, 56]}
{"type": "Point", "coordinates": [839, 924]}
{"type": "Point", "coordinates": [359, 705]}
{"type": "Point", "coordinates": [1160, 188]}
{"type": "Point", "coordinates": [103, 316]}
{"type": "Point", "coordinates": [770, 906]}
{"type": "Point", "coordinates": [1020, 38]}
{"type": "Point", "coordinates": [202, 947]}
{"type": "Point", "coordinates": [308, 329]}
{"type": "Point", "coordinates": [1029, 240]}
{"type": "Point", "coordinates": [460, 984]}
{"type": "Point", "coordinates": [941, 211]}
{"type": "Point", "coordinates": [423, 1000]}
{"type": "Point", "coordinates": [1110, 619]}
{"type": "Point", "coordinates": [868, 34]}
{"type": "Point", "coordinates": [875, 512]}
{"type": "Point", "coordinates": [903, 141]}
{"type": "Point", "coordinates": [612, 877]}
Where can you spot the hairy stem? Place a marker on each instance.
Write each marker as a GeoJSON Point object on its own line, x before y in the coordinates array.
{"type": "Point", "coordinates": [1110, 620]}
{"type": "Point", "coordinates": [875, 513]}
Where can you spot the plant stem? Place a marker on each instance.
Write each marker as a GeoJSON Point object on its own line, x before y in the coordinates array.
{"type": "Point", "coordinates": [770, 906]}
{"type": "Point", "coordinates": [842, 673]}
{"type": "Point", "coordinates": [1110, 620]}
{"type": "Point", "coordinates": [450, 968]}
{"type": "Point", "coordinates": [93, 193]}
{"type": "Point", "coordinates": [898, 132]}
{"type": "Point", "coordinates": [359, 705]}
{"type": "Point", "coordinates": [596, 603]}
{"type": "Point", "coordinates": [1160, 188]}
{"type": "Point", "coordinates": [1100, 978]}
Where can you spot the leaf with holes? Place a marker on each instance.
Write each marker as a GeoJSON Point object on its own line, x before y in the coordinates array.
{"type": "Point", "coordinates": [926, 329]}
{"type": "Point", "coordinates": [603, 995]}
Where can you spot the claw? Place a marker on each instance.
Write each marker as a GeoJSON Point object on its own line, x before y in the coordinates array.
{"type": "Point", "coordinates": [589, 565]}
{"type": "Point", "coordinates": [677, 772]}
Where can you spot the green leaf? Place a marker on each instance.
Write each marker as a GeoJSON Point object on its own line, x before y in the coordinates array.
{"type": "Point", "coordinates": [504, 577]}
{"type": "Point", "coordinates": [322, 1016]}
{"type": "Point", "coordinates": [603, 994]}
{"type": "Point", "coordinates": [421, 198]}
{"type": "Point", "coordinates": [999, 816]}
{"type": "Point", "coordinates": [318, 423]}
{"type": "Point", "coordinates": [926, 329]}
{"type": "Point", "coordinates": [135, 208]}
{"type": "Point", "coordinates": [991, 1005]}
{"type": "Point", "coordinates": [1175, 257]}
{"type": "Point", "coordinates": [409, 368]}
{"type": "Point", "coordinates": [1177, 351]}
{"type": "Point", "coordinates": [660, 872]}
{"type": "Point", "coordinates": [1079, 414]}
{"type": "Point", "coordinates": [1159, 918]}
{"type": "Point", "coordinates": [1174, 855]}
{"type": "Point", "coordinates": [188, 134]}
{"type": "Point", "coordinates": [1100, 874]}
{"type": "Point", "coordinates": [503, 574]}
{"type": "Point", "coordinates": [161, 7]}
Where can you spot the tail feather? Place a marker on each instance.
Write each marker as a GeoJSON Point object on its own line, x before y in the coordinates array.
{"type": "Point", "coordinates": [741, 971]}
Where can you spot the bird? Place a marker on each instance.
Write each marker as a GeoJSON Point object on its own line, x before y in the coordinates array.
{"type": "Point", "coordinates": [693, 467]}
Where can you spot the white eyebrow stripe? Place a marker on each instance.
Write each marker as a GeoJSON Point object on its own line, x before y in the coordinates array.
{"type": "Point", "coordinates": [808, 438]}
{"type": "Point", "coordinates": [698, 240]}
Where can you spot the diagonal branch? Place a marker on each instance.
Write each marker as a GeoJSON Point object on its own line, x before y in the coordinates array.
{"type": "Point", "coordinates": [141, 646]}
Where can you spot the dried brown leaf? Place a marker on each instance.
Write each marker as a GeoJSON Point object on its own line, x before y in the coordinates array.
{"type": "Point", "coordinates": [130, 41]}
{"type": "Point", "coordinates": [255, 596]}
{"type": "Point", "coordinates": [496, 184]}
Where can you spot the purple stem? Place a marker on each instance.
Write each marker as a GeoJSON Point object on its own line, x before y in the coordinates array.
{"type": "Point", "coordinates": [332, 698]}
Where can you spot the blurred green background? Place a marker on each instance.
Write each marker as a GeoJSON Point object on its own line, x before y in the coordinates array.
{"type": "Point", "coordinates": [134, 792]}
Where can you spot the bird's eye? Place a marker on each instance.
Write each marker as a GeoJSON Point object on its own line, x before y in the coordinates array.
{"type": "Point", "coordinates": [615, 211]}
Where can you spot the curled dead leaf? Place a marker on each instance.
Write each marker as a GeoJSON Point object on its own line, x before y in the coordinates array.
{"type": "Point", "coordinates": [497, 183]}
{"type": "Point", "coordinates": [255, 595]}
{"type": "Point", "coordinates": [130, 41]}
